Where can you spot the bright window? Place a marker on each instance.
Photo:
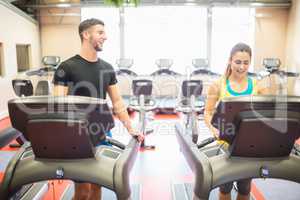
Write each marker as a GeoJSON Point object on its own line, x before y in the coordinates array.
{"type": "Point", "coordinates": [176, 32]}
{"type": "Point", "coordinates": [230, 26]}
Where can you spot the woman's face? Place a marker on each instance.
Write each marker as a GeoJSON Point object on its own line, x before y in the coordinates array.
{"type": "Point", "coordinates": [240, 63]}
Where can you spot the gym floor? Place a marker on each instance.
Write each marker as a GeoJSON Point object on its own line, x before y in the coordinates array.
{"type": "Point", "coordinates": [156, 172]}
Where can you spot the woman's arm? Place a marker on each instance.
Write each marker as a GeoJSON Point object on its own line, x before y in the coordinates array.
{"type": "Point", "coordinates": [268, 85]}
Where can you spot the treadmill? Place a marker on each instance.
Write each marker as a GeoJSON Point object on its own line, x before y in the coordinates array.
{"type": "Point", "coordinates": [260, 131]}
{"type": "Point", "coordinates": [201, 66]}
{"type": "Point", "coordinates": [29, 191]}
{"type": "Point", "coordinates": [63, 133]}
{"type": "Point", "coordinates": [7, 135]}
{"type": "Point", "coordinates": [125, 76]}
{"type": "Point", "coordinates": [166, 86]}
{"type": "Point", "coordinates": [143, 103]}
{"type": "Point", "coordinates": [191, 105]}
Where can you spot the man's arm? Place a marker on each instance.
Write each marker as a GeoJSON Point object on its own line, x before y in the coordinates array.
{"type": "Point", "coordinates": [60, 90]}
{"type": "Point", "coordinates": [61, 79]}
{"type": "Point", "coordinates": [121, 111]}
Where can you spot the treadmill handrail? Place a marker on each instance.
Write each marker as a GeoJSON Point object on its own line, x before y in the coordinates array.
{"type": "Point", "coordinates": [10, 170]}
{"type": "Point", "coordinates": [46, 170]}
{"type": "Point", "coordinates": [122, 168]}
{"type": "Point", "coordinates": [7, 135]}
{"type": "Point", "coordinates": [213, 171]}
{"type": "Point", "coordinates": [59, 99]}
{"type": "Point", "coordinates": [112, 161]}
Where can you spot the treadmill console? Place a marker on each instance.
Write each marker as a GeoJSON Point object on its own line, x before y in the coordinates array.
{"type": "Point", "coordinates": [63, 127]}
{"type": "Point", "coordinates": [259, 126]}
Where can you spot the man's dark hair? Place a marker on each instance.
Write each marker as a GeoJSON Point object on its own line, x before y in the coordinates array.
{"type": "Point", "coordinates": [86, 24]}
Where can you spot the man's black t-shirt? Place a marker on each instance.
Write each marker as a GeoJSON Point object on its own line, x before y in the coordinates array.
{"type": "Point", "coordinates": [85, 78]}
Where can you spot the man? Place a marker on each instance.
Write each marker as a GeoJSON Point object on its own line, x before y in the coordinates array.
{"type": "Point", "coordinates": [87, 75]}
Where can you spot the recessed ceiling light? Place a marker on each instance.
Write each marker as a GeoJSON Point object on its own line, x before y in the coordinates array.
{"type": "Point", "coordinates": [64, 5]}
{"type": "Point", "coordinates": [190, 4]}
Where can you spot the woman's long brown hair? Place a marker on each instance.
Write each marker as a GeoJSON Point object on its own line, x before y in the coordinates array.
{"type": "Point", "coordinates": [240, 47]}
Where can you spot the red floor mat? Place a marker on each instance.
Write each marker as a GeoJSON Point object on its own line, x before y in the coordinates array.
{"type": "Point", "coordinates": [166, 116]}
{"type": "Point", "coordinates": [7, 148]}
{"type": "Point", "coordinates": [56, 189]}
{"type": "Point", "coordinates": [256, 193]}
{"type": "Point", "coordinates": [4, 123]}
{"type": "Point", "coordinates": [1, 176]}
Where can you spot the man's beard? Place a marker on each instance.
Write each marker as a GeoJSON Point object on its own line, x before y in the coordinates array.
{"type": "Point", "coordinates": [95, 45]}
{"type": "Point", "coordinates": [97, 48]}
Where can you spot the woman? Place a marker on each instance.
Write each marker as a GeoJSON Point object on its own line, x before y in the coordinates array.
{"type": "Point", "coordinates": [235, 82]}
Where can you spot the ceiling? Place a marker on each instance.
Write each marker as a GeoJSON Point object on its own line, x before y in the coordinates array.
{"type": "Point", "coordinates": [83, 3]}
{"type": "Point", "coordinates": [71, 8]}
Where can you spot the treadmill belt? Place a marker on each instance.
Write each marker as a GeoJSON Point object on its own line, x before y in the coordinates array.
{"type": "Point", "coordinates": [179, 192]}
{"type": "Point", "coordinates": [276, 189]}
{"type": "Point", "coordinates": [189, 190]}
{"type": "Point", "coordinates": [33, 191]}
{"type": "Point", "coordinates": [110, 195]}
{"type": "Point", "coordinates": [68, 193]}
{"type": "Point", "coordinates": [21, 192]}
{"type": "Point", "coordinates": [184, 191]}
{"type": "Point", "coordinates": [136, 192]}
{"type": "Point", "coordinates": [106, 193]}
